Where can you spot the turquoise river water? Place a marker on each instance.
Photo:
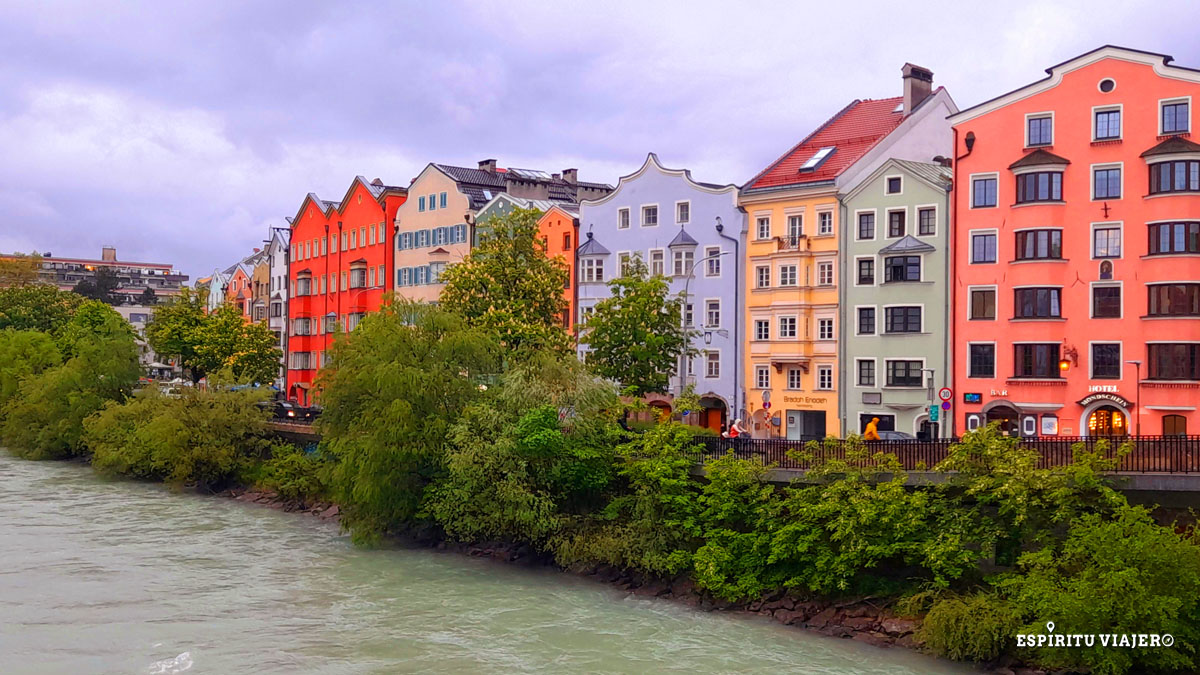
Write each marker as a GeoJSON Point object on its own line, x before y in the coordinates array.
{"type": "Point", "coordinates": [101, 576]}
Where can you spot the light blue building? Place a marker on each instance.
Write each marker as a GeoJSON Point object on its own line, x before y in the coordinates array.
{"type": "Point", "coordinates": [694, 234]}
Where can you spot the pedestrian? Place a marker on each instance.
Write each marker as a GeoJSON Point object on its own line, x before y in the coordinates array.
{"type": "Point", "coordinates": [872, 431]}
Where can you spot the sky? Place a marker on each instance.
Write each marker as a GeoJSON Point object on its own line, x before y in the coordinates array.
{"type": "Point", "coordinates": [182, 131]}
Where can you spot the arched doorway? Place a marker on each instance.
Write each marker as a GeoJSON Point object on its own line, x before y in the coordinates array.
{"type": "Point", "coordinates": [714, 414]}
{"type": "Point", "coordinates": [1005, 415]}
{"type": "Point", "coordinates": [1107, 420]}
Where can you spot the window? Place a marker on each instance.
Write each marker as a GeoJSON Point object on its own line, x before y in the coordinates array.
{"type": "Point", "coordinates": [1036, 360]}
{"type": "Point", "coordinates": [983, 248]}
{"type": "Point", "coordinates": [762, 377]}
{"type": "Point", "coordinates": [712, 313]}
{"type": "Point", "coordinates": [1174, 425]}
{"type": "Point", "coordinates": [1175, 118]}
{"type": "Point", "coordinates": [1108, 125]}
{"type": "Point", "coordinates": [866, 226]}
{"type": "Point", "coordinates": [421, 204]}
{"type": "Point", "coordinates": [904, 373]}
{"type": "Point", "coordinates": [302, 327]}
{"type": "Point", "coordinates": [825, 377]}
{"type": "Point", "coordinates": [688, 315]}
{"type": "Point", "coordinates": [657, 262]}
{"type": "Point", "coordinates": [893, 185]}
{"type": "Point", "coordinates": [650, 215]}
{"type": "Point", "coordinates": [866, 372]}
{"type": "Point", "coordinates": [345, 240]}
{"type": "Point", "coordinates": [866, 320]}
{"type": "Point", "coordinates": [1106, 183]}
{"type": "Point", "coordinates": [1039, 245]}
{"type": "Point", "coordinates": [1106, 361]}
{"type": "Point", "coordinates": [787, 275]}
{"type": "Point", "coordinates": [712, 264]}
{"type": "Point", "coordinates": [683, 261]}
{"type": "Point", "coordinates": [793, 378]}
{"type": "Point", "coordinates": [324, 245]}
{"type": "Point", "coordinates": [762, 276]}
{"type": "Point", "coordinates": [795, 229]}
{"type": "Point", "coordinates": [1180, 176]}
{"type": "Point", "coordinates": [591, 270]}
{"type": "Point", "coordinates": [762, 227]}
{"type": "Point", "coordinates": [343, 285]}
{"type": "Point", "coordinates": [303, 286]}
{"type": "Point", "coordinates": [982, 360]}
{"type": "Point", "coordinates": [762, 329]}
{"type": "Point", "coordinates": [817, 159]}
{"type": "Point", "coordinates": [824, 329]}
{"type": "Point", "coordinates": [566, 241]}
{"type": "Point", "coordinates": [432, 202]}
{"type": "Point", "coordinates": [926, 222]}
{"type": "Point", "coordinates": [825, 274]}
{"type": "Point", "coordinates": [1106, 302]}
{"type": "Point", "coordinates": [1037, 303]}
{"type": "Point", "coordinates": [1174, 299]}
{"type": "Point", "coordinates": [333, 244]}
{"type": "Point", "coordinates": [683, 212]}
{"type": "Point", "coordinates": [1169, 238]}
{"type": "Point", "coordinates": [866, 272]}
{"type": "Point", "coordinates": [787, 327]}
{"type": "Point", "coordinates": [1179, 361]}
{"type": "Point", "coordinates": [353, 239]}
{"type": "Point", "coordinates": [442, 200]}
{"type": "Point", "coordinates": [896, 223]}
{"type": "Point", "coordinates": [902, 268]}
{"type": "Point", "coordinates": [902, 320]}
{"type": "Point", "coordinates": [1106, 242]}
{"type": "Point", "coordinates": [712, 364]}
{"type": "Point", "coordinates": [983, 192]}
{"type": "Point", "coordinates": [404, 241]}
{"type": "Point", "coordinates": [622, 219]}
{"type": "Point", "coordinates": [983, 304]}
{"type": "Point", "coordinates": [623, 261]}
{"type": "Point", "coordinates": [1039, 186]}
{"type": "Point", "coordinates": [824, 223]}
{"type": "Point", "coordinates": [1041, 131]}
{"type": "Point", "coordinates": [358, 277]}
{"type": "Point", "coordinates": [371, 236]}
{"type": "Point", "coordinates": [371, 276]}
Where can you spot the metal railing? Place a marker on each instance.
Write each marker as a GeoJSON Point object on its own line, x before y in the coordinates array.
{"type": "Point", "coordinates": [1149, 454]}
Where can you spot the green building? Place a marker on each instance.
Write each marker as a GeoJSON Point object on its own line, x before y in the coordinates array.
{"type": "Point", "coordinates": [895, 298]}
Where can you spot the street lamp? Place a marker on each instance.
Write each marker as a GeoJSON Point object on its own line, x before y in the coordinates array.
{"type": "Point", "coordinates": [686, 283]}
{"type": "Point", "coordinates": [1137, 403]}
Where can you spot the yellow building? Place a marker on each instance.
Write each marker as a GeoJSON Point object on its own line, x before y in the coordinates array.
{"type": "Point", "coordinates": [793, 266]}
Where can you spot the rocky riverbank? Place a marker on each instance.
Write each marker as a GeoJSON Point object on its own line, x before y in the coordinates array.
{"type": "Point", "coordinates": [867, 620]}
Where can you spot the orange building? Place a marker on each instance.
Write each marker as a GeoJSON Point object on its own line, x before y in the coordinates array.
{"type": "Point", "coordinates": [1077, 251]}
{"type": "Point", "coordinates": [559, 229]}
{"type": "Point", "coordinates": [238, 291]}
{"type": "Point", "coordinates": [340, 254]}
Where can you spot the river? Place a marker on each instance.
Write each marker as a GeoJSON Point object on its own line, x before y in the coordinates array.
{"type": "Point", "coordinates": [106, 576]}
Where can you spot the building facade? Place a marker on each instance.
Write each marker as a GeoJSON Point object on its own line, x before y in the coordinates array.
{"type": "Point", "coordinates": [133, 278]}
{"type": "Point", "coordinates": [277, 257]}
{"type": "Point", "coordinates": [792, 257]}
{"type": "Point", "coordinates": [693, 234]}
{"type": "Point", "coordinates": [339, 257]}
{"type": "Point", "coordinates": [1077, 251]}
{"type": "Point", "coordinates": [895, 298]}
{"type": "Point", "coordinates": [559, 230]}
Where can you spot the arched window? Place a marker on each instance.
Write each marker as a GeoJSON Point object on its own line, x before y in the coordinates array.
{"type": "Point", "coordinates": [1174, 425]}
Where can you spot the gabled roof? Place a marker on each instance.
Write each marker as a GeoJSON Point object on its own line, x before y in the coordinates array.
{"type": "Point", "coordinates": [482, 186]}
{"type": "Point", "coordinates": [1039, 157]}
{"type": "Point", "coordinates": [1172, 146]}
{"type": "Point", "coordinates": [375, 188]}
{"type": "Point", "coordinates": [907, 244]}
{"type": "Point", "coordinates": [683, 239]}
{"type": "Point", "coordinates": [852, 132]}
{"type": "Point", "coordinates": [592, 247]}
{"type": "Point", "coordinates": [652, 162]}
{"type": "Point", "coordinates": [935, 174]}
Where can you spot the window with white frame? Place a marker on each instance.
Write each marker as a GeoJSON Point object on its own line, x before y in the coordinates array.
{"type": "Point", "coordinates": [866, 320]}
{"type": "Point", "coordinates": [824, 329]}
{"type": "Point", "coordinates": [650, 215]}
{"type": "Point", "coordinates": [825, 274]}
{"type": "Point", "coordinates": [712, 261]}
{"type": "Point", "coordinates": [825, 378]}
{"type": "Point", "coordinates": [622, 219]}
{"type": "Point", "coordinates": [712, 313]}
{"type": "Point", "coordinates": [688, 315]}
{"type": "Point", "coordinates": [1175, 118]}
{"type": "Point", "coordinates": [795, 228]}
{"type": "Point", "coordinates": [787, 327]}
{"type": "Point", "coordinates": [866, 372]}
{"type": "Point", "coordinates": [762, 227]}
{"type": "Point", "coordinates": [762, 329]}
{"type": "Point", "coordinates": [1107, 125]}
{"type": "Point", "coordinates": [1106, 241]}
{"type": "Point", "coordinates": [657, 262]}
{"type": "Point", "coordinates": [683, 213]}
{"type": "Point", "coordinates": [793, 378]}
{"type": "Point", "coordinates": [682, 262]}
{"type": "Point", "coordinates": [825, 222]}
{"type": "Point", "coordinates": [762, 377]}
{"type": "Point", "coordinates": [591, 270]}
{"type": "Point", "coordinates": [623, 262]}
{"type": "Point", "coordinates": [787, 275]}
{"type": "Point", "coordinates": [712, 363]}
{"type": "Point", "coordinates": [926, 222]}
{"type": "Point", "coordinates": [762, 276]}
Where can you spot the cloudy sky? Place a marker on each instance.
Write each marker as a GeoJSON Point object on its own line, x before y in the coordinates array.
{"type": "Point", "coordinates": [180, 131]}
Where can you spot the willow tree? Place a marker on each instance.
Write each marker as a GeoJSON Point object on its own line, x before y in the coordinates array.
{"type": "Point", "coordinates": [509, 287]}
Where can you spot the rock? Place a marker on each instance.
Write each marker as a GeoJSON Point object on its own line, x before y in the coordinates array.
{"type": "Point", "coordinates": [899, 627]}
{"type": "Point", "coordinates": [683, 587]}
{"type": "Point", "coordinates": [754, 606]}
{"type": "Point", "coordinates": [331, 512]}
{"type": "Point", "coordinates": [859, 623]}
{"type": "Point", "coordinates": [1003, 671]}
{"type": "Point", "coordinates": [838, 631]}
{"type": "Point", "coordinates": [908, 642]}
{"type": "Point", "coordinates": [1030, 671]}
{"type": "Point", "coordinates": [651, 589]}
{"type": "Point", "coordinates": [873, 639]}
{"type": "Point", "coordinates": [788, 617]}
{"type": "Point", "coordinates": [861, 610]}
{"type": "Point", "coordinates": [823, 618]}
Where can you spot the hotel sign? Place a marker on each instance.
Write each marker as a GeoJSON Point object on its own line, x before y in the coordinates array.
{"type": "Point", "coordinates": [1102, 396]}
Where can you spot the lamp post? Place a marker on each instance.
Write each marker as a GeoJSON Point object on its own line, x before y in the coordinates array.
{"type": "Point", "coordinates": [1137, 403]}
{"type": "Point", "coordinates": [708, 333]}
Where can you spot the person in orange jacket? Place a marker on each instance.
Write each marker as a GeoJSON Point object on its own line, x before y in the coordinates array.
{"type": "Point", "coordinates": [872, 431]}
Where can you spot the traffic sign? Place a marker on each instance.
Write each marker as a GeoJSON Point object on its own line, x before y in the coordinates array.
{"type": "Point", "coordinates": [945, 405]}
{"type": "Point", "coordinates": [767, 405]}
{"type": "Point", "coordinates": [945, 393]}
{"type": "Point", "coordinates": [933, 413]}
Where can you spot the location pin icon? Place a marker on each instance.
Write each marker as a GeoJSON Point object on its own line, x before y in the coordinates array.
{"type": "Point", "coordinates": [1050, 626]}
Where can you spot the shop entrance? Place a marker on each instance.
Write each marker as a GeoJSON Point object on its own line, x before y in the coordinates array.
{"type": "Point", "coordinates": [1107, 421]}
{"type": "Point", "coordinates": [1006, 416]}
{"type": "Point", "coordinates": [805, 424]}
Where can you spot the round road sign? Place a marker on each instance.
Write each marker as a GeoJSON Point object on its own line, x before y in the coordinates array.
{"type": "Point", "coordinates": [945, 405]}
{"type": "Point", "coordinates": [945, 393]}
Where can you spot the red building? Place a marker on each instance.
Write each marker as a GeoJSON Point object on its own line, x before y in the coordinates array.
{"type": "Point", "coordinates": [1077, 251]}
{"type": "Point", "coordinates": [339, 262]}
{"type": "Point", "coordinates": [559, 229]}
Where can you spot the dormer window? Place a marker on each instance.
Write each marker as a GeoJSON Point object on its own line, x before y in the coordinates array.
{"type": "Point", "coordinates": [1039, 130]}
{"type": "Point", "coordinates": [1039, 186]}
{"type": "Point", "coordinates": [818, 159]}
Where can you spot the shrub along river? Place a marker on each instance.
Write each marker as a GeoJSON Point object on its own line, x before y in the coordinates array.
{"type": "Point", "coordinates": [100, 576]}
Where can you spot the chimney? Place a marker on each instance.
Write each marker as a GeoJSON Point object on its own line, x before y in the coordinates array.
{"type": "Point", "coordinates": [918, 84]}
{"type": "Point", "coordinates": [556, 177]}
{"type": "Point", "coordinates": [488, 165]}
{"type": "Point", "coordinates": [377, 182]}
{"type": "Point", "coordinates": [108, 254]}
{"type": "Point", "coordinates": [571, 176]}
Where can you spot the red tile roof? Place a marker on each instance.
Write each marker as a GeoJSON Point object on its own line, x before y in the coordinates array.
{"type": "Point", "coordinates": [853, 131]}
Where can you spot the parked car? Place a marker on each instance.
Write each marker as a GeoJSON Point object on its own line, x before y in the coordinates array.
{"type": "Point", "coordinates": [896, 436]}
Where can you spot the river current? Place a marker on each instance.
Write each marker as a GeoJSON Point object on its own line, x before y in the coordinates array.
{"type": "Point", "coordinates": [106, 576]}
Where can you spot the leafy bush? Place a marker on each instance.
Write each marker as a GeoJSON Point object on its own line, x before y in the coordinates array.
{"type": "Point", "coordinates": [735, 505]}
{"type": "Point", "coordinates": [293, 473]}
{"type": "Point", "coordinates": [975, 627]}
{"type": "Point", "coordinates": [23, 354]}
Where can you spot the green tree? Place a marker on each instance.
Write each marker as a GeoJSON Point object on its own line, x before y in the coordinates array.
{"type": "Point", "coordinates": [19, 269]}
{"type": "Point", "coordinates": [636, 336]}
{"type": "Point", "coordinates": [39, 307]}
{"type": "Point", "coordinates": [174, 329]}
{"type": "Point", "coordinates": [23, 354]}
{"type": "Point", "coordinates": [148, 297]}
{"type": "Point", "coordinates": [395, 386]}
{"type": "Point", "coordinates": [102, 286]}
{"type": "Point", "coordinates": [509, 287]}
{"type": "Point", "coordinates": [208, 342]}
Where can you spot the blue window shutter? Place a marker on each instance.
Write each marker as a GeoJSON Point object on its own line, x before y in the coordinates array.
{"type": "Point", "coordinates": [443, 204]}
{"type": "Point", "coordinates": [421, 204]}
{"type": "Point", "coordinates": [432, 202]}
